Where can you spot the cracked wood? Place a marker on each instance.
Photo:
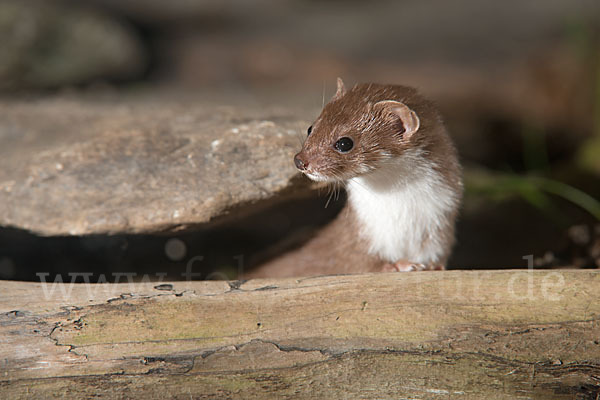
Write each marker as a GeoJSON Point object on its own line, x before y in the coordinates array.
{"type": "Point", "coordinates": [451, 334]}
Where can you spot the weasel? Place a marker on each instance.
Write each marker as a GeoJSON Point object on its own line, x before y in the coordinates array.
{"type": "Point", "coordinates": [389, 148]}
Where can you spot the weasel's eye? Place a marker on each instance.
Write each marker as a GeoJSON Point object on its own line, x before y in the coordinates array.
{"type": "Point", "coordinates": [309, 131]}
{"type": "Point", "coordinates": [344, 145]}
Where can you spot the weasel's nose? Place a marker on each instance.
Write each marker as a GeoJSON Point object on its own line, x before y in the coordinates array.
{"type": "Point", "coordinates": [301, 165]}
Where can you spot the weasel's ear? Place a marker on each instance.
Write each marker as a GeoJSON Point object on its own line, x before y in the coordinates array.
{"type": "Point", "coordinates": [395, 109]}
{"type": "Point", "coordinates": [341, 89]}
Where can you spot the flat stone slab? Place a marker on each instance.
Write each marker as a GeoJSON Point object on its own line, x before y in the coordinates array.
{"type": "Point", "coordinates": [74, 166]}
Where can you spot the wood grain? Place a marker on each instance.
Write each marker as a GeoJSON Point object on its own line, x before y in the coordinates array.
{"type": "Point", "coordinates": [424, 335]}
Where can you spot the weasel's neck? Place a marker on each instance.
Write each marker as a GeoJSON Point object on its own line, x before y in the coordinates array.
{"type": "Point", "coordinates": [405, 210]}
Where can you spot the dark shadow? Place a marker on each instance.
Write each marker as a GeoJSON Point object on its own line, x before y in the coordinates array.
{"type": "Point", "coordinates": [217, 251]}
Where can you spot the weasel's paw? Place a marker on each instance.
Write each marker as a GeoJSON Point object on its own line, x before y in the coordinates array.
{"type": "Point", "coordinates": [407, 266]}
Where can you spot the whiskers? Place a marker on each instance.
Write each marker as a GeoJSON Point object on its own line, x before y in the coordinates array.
{"type": "Point", "coordinates": [334, 189]}
{"type": "Point", "coordinates": [300, 136]}
{"type": "Point", "coordinates": [335, 184]}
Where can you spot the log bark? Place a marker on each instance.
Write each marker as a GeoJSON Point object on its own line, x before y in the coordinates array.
{"type": "Point", "coordinates": [423, 335]}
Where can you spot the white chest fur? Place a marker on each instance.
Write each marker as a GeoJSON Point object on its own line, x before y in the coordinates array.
{"type": "Point", "coordinates": [402, 208]}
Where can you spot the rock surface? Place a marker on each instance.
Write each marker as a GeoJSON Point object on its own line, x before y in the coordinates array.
{"type": "Point", "coordinates": [74, 166]}
{"type": "Point", "coordinates": [48, 44]}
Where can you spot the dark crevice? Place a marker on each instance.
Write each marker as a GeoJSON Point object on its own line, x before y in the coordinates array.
{"type": "Point", "coordinates": [219, 250]}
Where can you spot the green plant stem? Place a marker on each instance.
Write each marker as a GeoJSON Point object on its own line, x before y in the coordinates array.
{"type": "Point", "coordinates": [574, 195]}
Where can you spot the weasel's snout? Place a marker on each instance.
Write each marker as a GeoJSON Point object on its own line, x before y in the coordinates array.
{"type": "Point", "coordinates": [300, 163]}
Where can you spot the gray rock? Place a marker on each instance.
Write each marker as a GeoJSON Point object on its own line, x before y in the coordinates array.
{"type": "Point", "coordinates": [176, 12]}
{"type": "Point", "coordinates": [48, 44]}
{"type": "Point", "coordinates": [77, 166]}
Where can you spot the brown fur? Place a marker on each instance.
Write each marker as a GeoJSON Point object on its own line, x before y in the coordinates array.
{"type": "Point", "coordinates": [378, 136]}
{"type": "Point", "coordinates": [335, 249]}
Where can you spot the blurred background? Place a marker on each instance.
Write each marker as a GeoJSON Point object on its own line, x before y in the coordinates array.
{"type": "Point", "coordinates": [517, 82]}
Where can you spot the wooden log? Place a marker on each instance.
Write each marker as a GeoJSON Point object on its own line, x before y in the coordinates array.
{"type": "Point", "coordinates": [423, 335]}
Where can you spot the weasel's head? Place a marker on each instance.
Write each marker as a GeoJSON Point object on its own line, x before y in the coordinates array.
{"type": "Point", "coordinates": [357, 132]}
